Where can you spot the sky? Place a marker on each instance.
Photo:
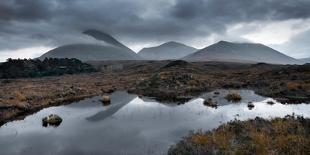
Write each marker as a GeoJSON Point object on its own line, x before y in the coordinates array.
{"type": "Point", "coordinates": [29, 28]}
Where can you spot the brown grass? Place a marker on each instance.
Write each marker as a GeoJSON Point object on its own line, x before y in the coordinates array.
{"type": "Point", "coordinates": [293, 85]}
{"type": "Point", "coordinates": [20, 96]}
{"type": "Point", "coordinates": [234, 97]}
{"type": "Point", "coordinates": [200, 139]}
{"type": "Point", "coordinates": [278, 136]}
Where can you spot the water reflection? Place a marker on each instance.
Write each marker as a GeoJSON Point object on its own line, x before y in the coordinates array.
{"type": "Point", "coordinates": [119, 99]}
{"type": "Point", "coordinates": [130, 125]}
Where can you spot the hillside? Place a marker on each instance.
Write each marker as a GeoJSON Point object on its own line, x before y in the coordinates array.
{"type": "Point", "coordinates": [307, 60]}
{"type": "Point", "coordinates": [89, 52]}
{"type": "Point", "coordinates": [94, 52]}
{"type": "Point", "coordinates": [166, 51]}
{"type": "Point", "coordinates": [241, 52]}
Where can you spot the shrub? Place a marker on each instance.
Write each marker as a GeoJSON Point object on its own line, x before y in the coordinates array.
{"type": "Point", "coordinates": [289, 135]}
{"type": "Point", "coordinates": [25, 68]}
{"type": "Point", "coordinates": [234, 97]}
{"type": "Point", "coordinates": [20, 97]}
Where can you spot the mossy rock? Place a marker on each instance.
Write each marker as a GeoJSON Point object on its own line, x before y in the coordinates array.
{"type": "Point", "coordinates": [210, 103]}
{"type": "Point", "coordinates": [52, 120]}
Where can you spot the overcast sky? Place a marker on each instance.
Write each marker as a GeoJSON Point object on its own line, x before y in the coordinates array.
{"type": "Point", "coordinates": [29, 28]}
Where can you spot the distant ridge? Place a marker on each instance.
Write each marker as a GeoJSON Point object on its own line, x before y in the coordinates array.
{"type": "Point", "coordinates": [307, 60]}
{"type": "Point", "coordinates": [241, 52]}
{"type": "Point", "coordinates": [94, 52]}
{"type": "Point", "coordinates": [166, 51]}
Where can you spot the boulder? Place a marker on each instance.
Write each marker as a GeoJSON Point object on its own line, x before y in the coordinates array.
{"type": "Point", "coordinates": [53, 120]}
{"type": "Point", "coordinates": [216, 93]}
{"type": "Point", "coordinates": [271, 103]}
{"type": "Point", "coordinates": [106, 100]}
{"type": "Point", "coordinates": [210, 103]}
{"type": "Point", "coordinates": [251, 105]}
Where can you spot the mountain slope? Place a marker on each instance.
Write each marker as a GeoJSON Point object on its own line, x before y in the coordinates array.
{"type": "Point", "coordinates": [105, 37]}
{"type": "Point", "coordinates": [94, 52]}
{"type": "Point", "coordinates": [241, 52]}
{"type": "Point", "coordinates": [90, 52]}
{"type": "Point", "coordinates": [169, 50]}
{"type": "Point", "coordinates": [307, 60]}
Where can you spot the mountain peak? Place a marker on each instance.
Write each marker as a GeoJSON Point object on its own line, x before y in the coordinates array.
{"type": "Point", "coordinates": [94, 31]}
{"type": "Point", "coordinates": [99, 35]}
{"type": "Point", "coordinates": [241, 52]}
{"type": "Point", "coordinates": [172, 43]}
{"type": "Point", "coordinates": [166, 51]}
{"type": "Point", "coordinates": [223, 42]}
{"type": "Point", "coordinates": [94, 52]}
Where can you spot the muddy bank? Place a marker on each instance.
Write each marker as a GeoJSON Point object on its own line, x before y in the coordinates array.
{"type": "Point", "coordinates": [171, 81]}
{"type": "Point", "coordinates": [256, 136]}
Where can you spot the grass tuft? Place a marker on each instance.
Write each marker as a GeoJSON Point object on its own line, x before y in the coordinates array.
{"type": "Point", "coordinates": [233, 97]}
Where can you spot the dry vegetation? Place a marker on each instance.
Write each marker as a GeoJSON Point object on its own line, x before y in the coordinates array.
{"type": "Point", "coordinates": [289, 135]}
{"type": "Point", "coordinates": [233, 97]}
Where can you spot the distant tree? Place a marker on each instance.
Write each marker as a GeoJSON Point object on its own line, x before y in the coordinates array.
{"type": "Point", "coordinates": [17, 68]}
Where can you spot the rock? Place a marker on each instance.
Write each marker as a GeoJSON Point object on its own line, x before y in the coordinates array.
{"type": "Point", "coordinates": [234, 97]}
{"type": "Point", "coordinates": [251, 105]}
{"type": "Point", "coordinates": [210, 103]}
{"type": "Point", "coordinates": [271, 103]}
{"type": "Point", "coordinates": [53, 120]}
{"type": "Point", "coordinates": [106, 100]}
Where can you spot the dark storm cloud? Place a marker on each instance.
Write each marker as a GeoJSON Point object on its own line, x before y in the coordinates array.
{"type": "Point", "coordinates": [219, 13]}
{"type": "Point", "coordinates": [26, 23]}
{"type": "Point", "coordinates": [25, 10]}
{"type": "Point", "coordinates": [236, 10]}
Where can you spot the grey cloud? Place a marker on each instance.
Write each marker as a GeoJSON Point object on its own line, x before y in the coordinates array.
{"type": "Point", "coordinates": [298, 46]}
{"type": "Point", "coordinates": [26, 23]}
{"type": "Point", "coordinates": [25, 10]}
{"type": "Point", "coordinates": [239, 10]}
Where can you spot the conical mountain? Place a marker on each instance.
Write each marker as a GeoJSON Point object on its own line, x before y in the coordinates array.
{"type": "Point", "coordinates": [105, 37]}
{"type": "Point", "coordinates": [241, 52]}
{"type": "Point", "coordinates": [166, 51]}
{"type": "Point", "coordinates": [111, 50]}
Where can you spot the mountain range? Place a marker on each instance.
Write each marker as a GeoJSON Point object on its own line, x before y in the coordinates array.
{"type": "Point", "coordinates": [224, 51]}
{"type": "Point", "coordinates": [166, 51]}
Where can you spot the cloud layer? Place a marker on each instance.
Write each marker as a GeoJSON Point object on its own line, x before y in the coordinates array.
{"type": "Point", "coordinates": [138, 23]}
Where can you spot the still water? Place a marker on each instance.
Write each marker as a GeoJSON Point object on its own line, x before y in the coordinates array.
{"type": "Point", "coordinates": [130, 125]}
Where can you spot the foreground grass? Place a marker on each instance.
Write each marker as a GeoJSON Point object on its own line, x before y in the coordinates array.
{"type": "Point", "coordinates": [289, 135]}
